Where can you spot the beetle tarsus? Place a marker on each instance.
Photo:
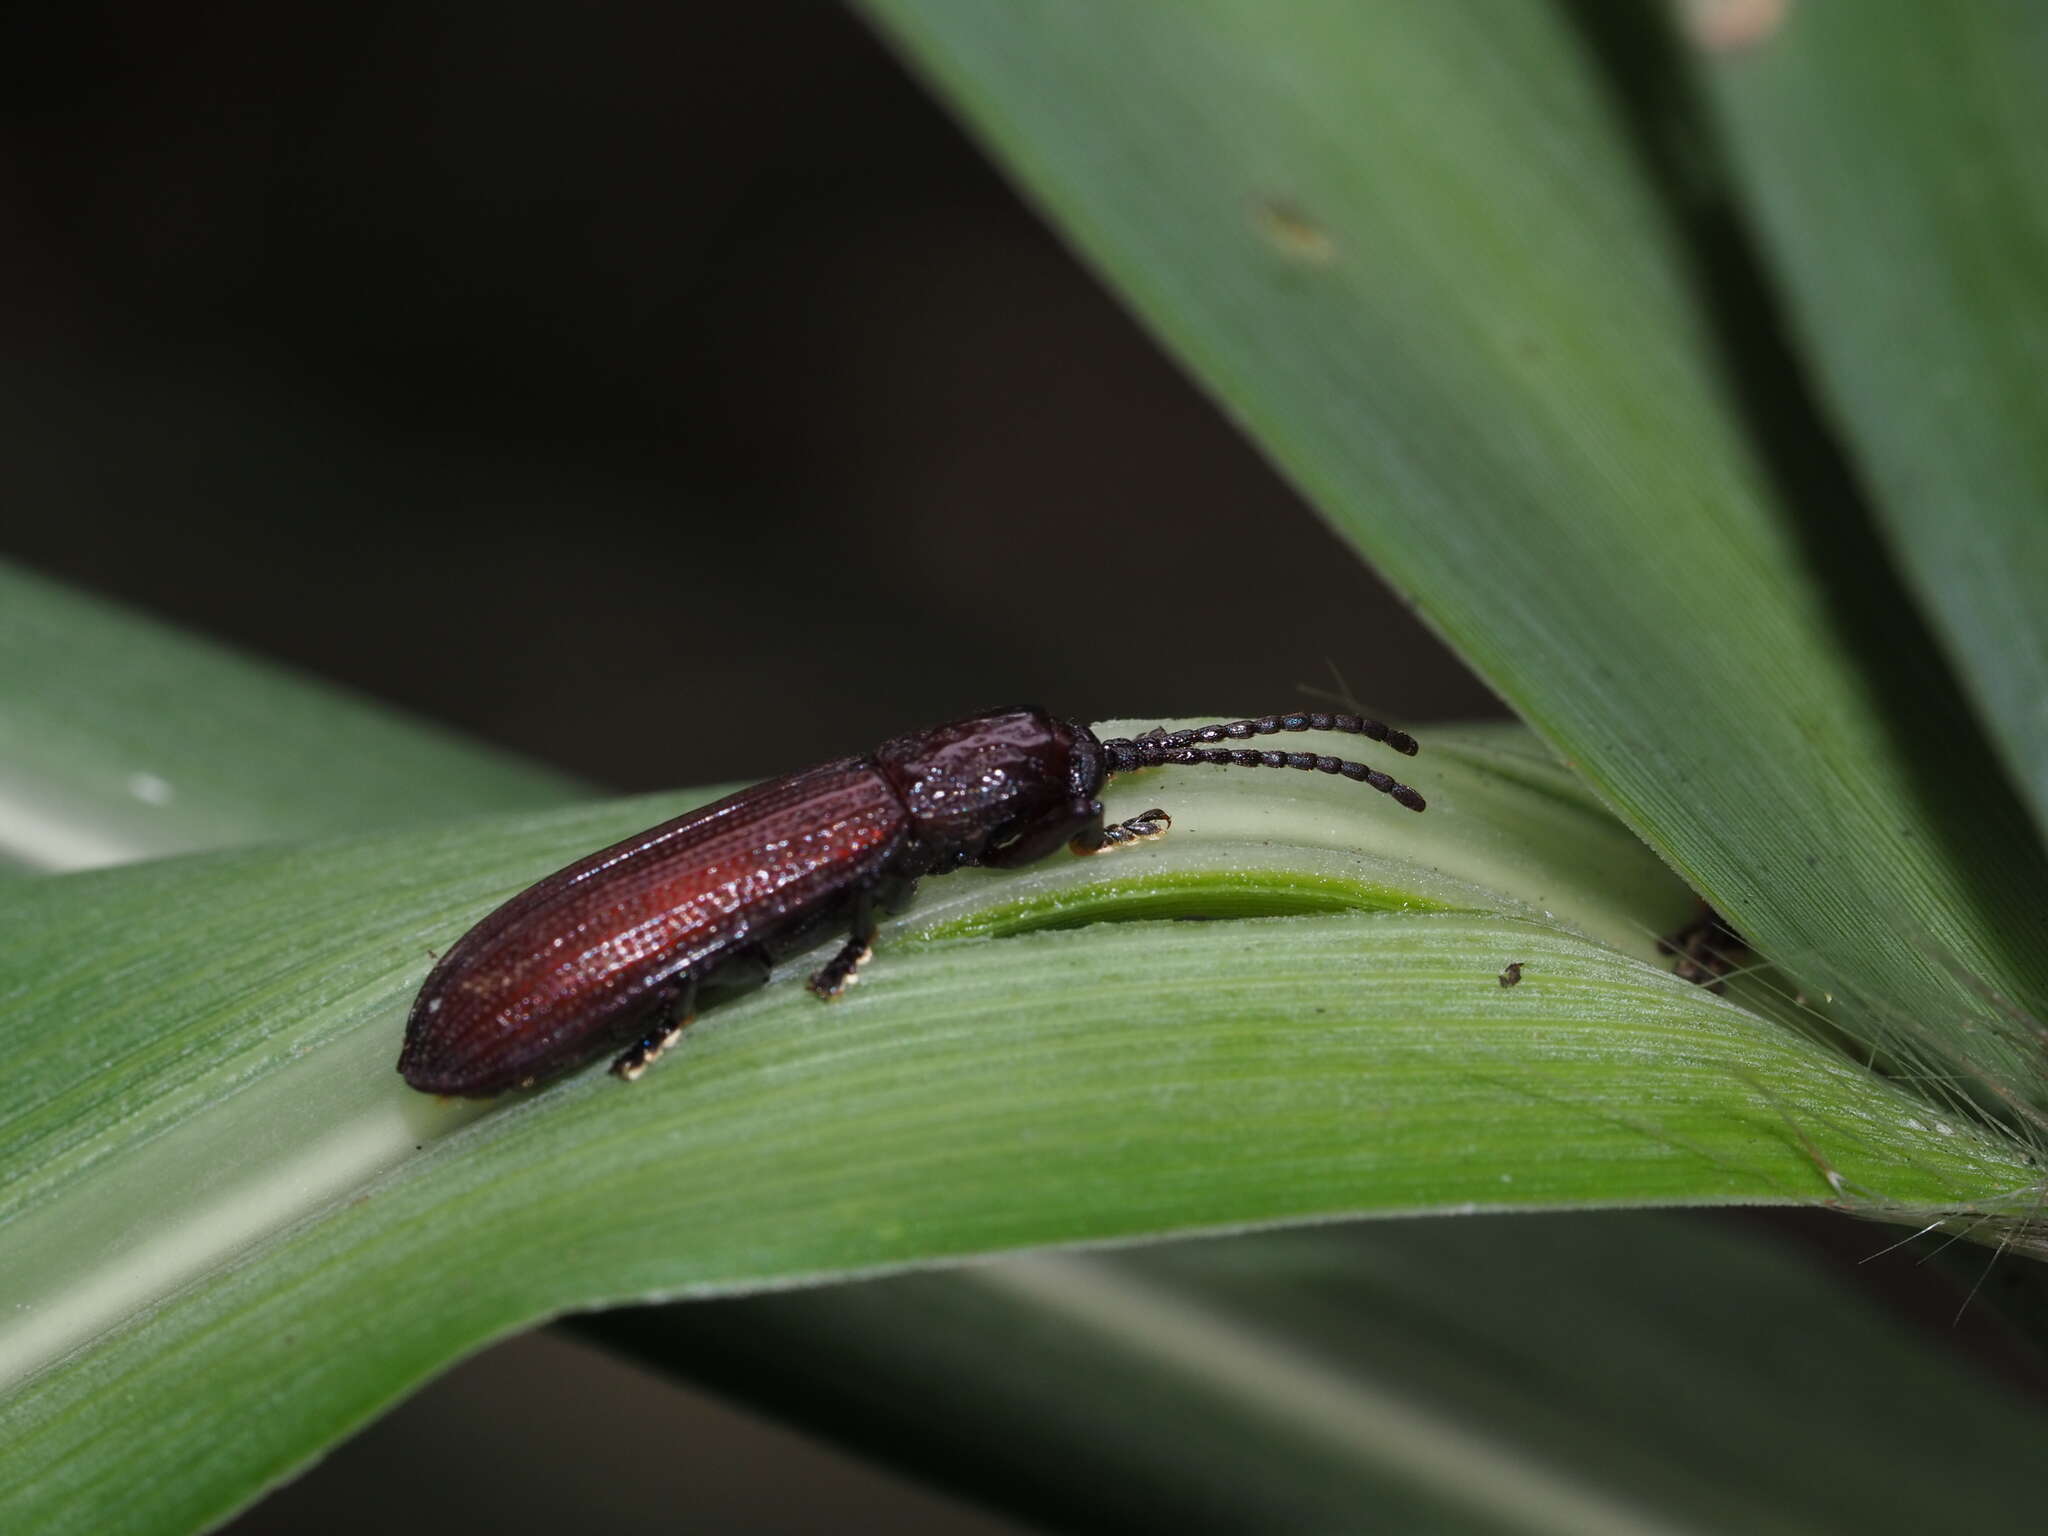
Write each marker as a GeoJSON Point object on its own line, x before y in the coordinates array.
{"type": "Point", "coordinates": [843, 969]}
{"type": "Point", "coordinates": [639, 1057]}
{"type": "Point", "coordinates": [1142, 828]}
{"type": "Point", "coordinates": [678, 1008]}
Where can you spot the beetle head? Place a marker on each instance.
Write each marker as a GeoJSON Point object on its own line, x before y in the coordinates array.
{"type": "Point", "coordinates": [1005, 787]}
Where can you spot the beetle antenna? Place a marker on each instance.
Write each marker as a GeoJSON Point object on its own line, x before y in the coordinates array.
{"type": "Point", "coordinates": [1266, 725]}
{"type": "Point", "coordinates": [1156, 748]}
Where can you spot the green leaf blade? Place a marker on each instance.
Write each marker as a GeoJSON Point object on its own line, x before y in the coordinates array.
{"type": "Point", "coordinates": [1412, 250]}
{"type": "Point", "coordinates": [1100, 1084]}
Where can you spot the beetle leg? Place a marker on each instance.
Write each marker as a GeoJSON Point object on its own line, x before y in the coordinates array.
{"type": "Point", "coordinates": [843, 969]}
{"type": "Point", "coordinates": [675, 1015]}
{"type": "Point", "coordinates": [1138, 829]}
{"type": "Point", "coordinates": [742, 971]}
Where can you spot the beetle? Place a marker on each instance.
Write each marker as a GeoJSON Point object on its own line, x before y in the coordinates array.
{"type": "Point", "coordinates": [613, 950]}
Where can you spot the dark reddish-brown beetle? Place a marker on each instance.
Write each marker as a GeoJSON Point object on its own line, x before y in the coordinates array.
{"type": "Point", "coordinates": [613, 950]}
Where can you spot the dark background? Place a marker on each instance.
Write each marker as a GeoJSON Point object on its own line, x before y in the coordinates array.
{"type": "Point", "coordinates": [668, 393]}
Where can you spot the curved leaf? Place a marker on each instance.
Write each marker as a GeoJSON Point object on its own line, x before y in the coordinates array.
{"type": "Point", "coordinates": [216, 1183]}
{"type": "Point", "coordinates": [1413, 249]}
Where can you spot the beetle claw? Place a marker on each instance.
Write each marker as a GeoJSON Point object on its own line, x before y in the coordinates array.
{"type": "Point", "coordinates": [1142, 828]}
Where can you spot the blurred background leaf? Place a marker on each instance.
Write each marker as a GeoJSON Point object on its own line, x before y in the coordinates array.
{"type": "Point", "coordinates": [1892, 172]}
{"type": "Point", "coordinates": [1399, 1369]}
{"type": "Point", "coordinates": [122, 740]}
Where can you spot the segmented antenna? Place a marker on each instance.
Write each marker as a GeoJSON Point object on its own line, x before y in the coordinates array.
{"type": "Point", "coordinates": [1157, 748]}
